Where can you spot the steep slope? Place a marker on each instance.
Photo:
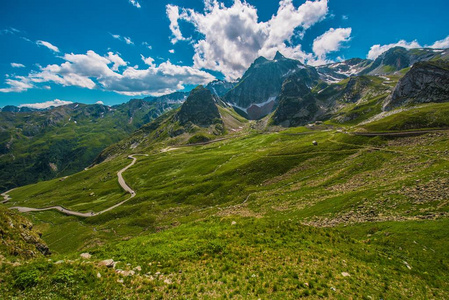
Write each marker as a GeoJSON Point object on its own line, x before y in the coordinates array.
{"type": "Point", "coordinates": [350, 100]}
{"type": "Point", "coordinates": [44, 144]}
{"type": "Point", "coordinates": [201, 118]}
{"type": "Point", "coordinates": [219, 87]}
{"type": "Point", "coordinates": [335, 72]}
{"type": "Point", "coordinates": [425, 82]}
{"type": "Point", "coordinates": [200, 108]}
{"type": "Point", "coordinates": [18, 237]}
{"type": "Point", "coordinates": [296, 104]}
{"type": "Point", "coordinates": [399, 58]}
{"type": "Point", "coordinates": [255, 94]}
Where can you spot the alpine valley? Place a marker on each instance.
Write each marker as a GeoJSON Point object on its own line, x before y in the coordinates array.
{"type": "Point", "coordinates": [293, 181]}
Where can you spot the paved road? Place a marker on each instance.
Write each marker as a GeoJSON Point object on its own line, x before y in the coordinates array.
{"type": "Point", "coordinates": [69, 212]}
{"type": "Point", "coordinates": [6, 196]}
{"type": "Point", "coordinates": [398, 133]}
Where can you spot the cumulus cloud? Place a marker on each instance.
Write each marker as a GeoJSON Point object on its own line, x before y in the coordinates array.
{"type": "Point", "coordinates": [47, 104]}
{"type": "Point", "coordinates": [330, 41]}
{"type": "Point", "coordinates": [17, 65]}
{"type": "Point", "coordinates": [135, 3]}
{"type": "Point", "coordinates": [171, 51]}
{"type": "Point", "coordinates": [442, 44]}
{"type": "Point", "coordinates": [233, 36]}
{"type": "Point", "coordinates": [117, 60]}
{"type": "Point", "coordinates": [377, 50]}
{"type": "Point", "coordinates": [93, 71]}
{"type": "Point", "coordinates": [147, 60]}
{"type": "Point", "coordinates": [48, 45]}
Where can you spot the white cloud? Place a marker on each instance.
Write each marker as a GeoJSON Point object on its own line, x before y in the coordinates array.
{"type": "Point", "coordinates": [147, 45]}
{"type": "Point", "coordinates": [47, 104]}
{"type": "Point", "coordinates": [117, 60]}
{"type": "Point", "coordinates": [123, 39]}
{"type": "Point", "coordinates": [17, 65]}
{"type": "Point", "coordinates": [233, 36]}
{"type": "Point", "coordinates": [173, 15]}
{"type": "Point", "coordinates": [171, 51]}
{"type": "Point", "coordinates": [148, 61]}
{"type": "Point", "coordinates": [377, 50]}
{"type": "Point", "coordinates": [331, 41]}
{"type": "Point", "coordinates": [128, 40]}
{"type": "Point", "coordinates": [135, 3]}
{"type": "Point", "coordinates": [19, 84]}
{"type": "Point", "coordinates": [99, 102]}
{"type": "Point", "coordinates": [48, 45]}
{"type": "Point", "coordinates": [92, 70]}
{"type": "Point", "coordinates": [442, 44]}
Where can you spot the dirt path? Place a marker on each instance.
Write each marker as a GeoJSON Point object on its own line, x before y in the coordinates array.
{"type": "Point", "coordinates": [69, 212]}
{"type": "Point", "coordinates": [6, 196]}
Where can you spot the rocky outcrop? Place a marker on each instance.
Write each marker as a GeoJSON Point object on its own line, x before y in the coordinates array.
{"type": "Point", "coordinates": [18, 236]}
{"type": "Point", "coordinates": [425, 82]}
{"type": "Point", "coordinates": [220, 87]}
{"type": "Point", "coordinates": [399, 58]}
{"type": "Point", "coordinates": [200, 108]}
{"type": "Point", "coordinates": [297, 106]}
{"type": "Point", "coordinates": [261, 84]}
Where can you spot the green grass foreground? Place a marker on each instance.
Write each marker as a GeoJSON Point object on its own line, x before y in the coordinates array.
{"type": "Point", "coordinates": [254, 216]}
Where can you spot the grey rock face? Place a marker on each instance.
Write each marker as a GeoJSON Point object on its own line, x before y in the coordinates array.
{"type": "Point", "coordinates": [261, 84]}
{"type": "Point", "coordinates": [200, 108]}
{"type": "Point", "coordinates": [425, 82]}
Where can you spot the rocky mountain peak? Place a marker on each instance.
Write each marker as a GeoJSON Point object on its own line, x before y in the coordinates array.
{"type": "Point", "coordinates": [278, 56]}
{"type": "Point", "coordinates": [200, 108]}
{"type": "Point", "coordinates": [425, 82]}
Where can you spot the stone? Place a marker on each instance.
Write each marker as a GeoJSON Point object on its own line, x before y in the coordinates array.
{"type": "Point", "coordinates": [107, 263]}
{"type": "Point", "coordinates": [345, 274]}
{"type": "Point", "coordinates": [98, 275]}
{"type": "Point", "coordinates": [85, 255]}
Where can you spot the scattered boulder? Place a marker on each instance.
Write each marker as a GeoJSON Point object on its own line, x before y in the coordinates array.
{"type": "Point", "coordinates": [107, 263]}
{"type": "Point", "coordinates": [345, 274]}
{"type": "Point", "coordinates": [315, 143]}
{"type": "Point", "coordinates": [234, 223]}
{"type": "Point", "coordinates": [138, 268]}
{"type": "Point", "coordinates": [125, 273]}
{"type": "Point", "coordinates": [85, 255]}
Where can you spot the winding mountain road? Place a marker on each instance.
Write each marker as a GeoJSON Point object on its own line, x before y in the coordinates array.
{"type": "Point", "coordinates": [69, 212]}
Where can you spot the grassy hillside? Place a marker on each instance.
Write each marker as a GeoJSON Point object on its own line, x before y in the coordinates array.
{"type": "Point", "coordinates": [41, 145]}
{"type": "Point", "coordinates": [256, 215]}
{"type": "Point", "coordinates": [424, 116]}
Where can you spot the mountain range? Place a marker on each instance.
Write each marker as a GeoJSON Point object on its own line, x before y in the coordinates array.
{"type": "Point", "coordinates": [294, 181]}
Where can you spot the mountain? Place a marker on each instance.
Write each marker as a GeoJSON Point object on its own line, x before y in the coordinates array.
{"type": "Point", "coordinates": [335, 72]}
{"type": "Point", "coordinates": [202, 117]}
{"type": "Point", "coordinates": [425, 82]}
{"type": "Point", "coordinates": [399, 58]}
{"type": "Point", "coordinates": [255, 93]}
{"type": "Point", "coordinates": [220, 87]}
{"type": "Point", "coordinates": [297, 106]}
{"type": "Point", "coordinates": [44, 144]}
{"type": "Point", "coordinates": [203, 203]}
{"type": "Point", "coordinates": [200, 108]}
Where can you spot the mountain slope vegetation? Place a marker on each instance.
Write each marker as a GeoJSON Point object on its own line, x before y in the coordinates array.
{"type": "Point", "coordinates": [329, 195]}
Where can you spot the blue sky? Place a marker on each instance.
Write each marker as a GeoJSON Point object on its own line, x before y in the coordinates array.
{"type": "Point", "coordinates": [111, 51]}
